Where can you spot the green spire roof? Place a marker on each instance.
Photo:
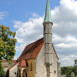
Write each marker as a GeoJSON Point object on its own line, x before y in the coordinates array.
{"type": "Point", "coordinates": [47, 17]}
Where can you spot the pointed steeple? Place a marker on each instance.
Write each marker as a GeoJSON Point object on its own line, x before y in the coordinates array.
{"type": "Point", "coordinates": [47, 17]}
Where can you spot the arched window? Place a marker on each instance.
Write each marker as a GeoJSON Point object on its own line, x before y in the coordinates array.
{"type": "Point", "coordinates": [31, 67]}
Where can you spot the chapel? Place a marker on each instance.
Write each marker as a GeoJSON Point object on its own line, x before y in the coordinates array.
{"type": "Point", "coordinates": [39, 59]}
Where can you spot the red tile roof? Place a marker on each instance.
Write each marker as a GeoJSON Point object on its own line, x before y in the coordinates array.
{"type": "Point", "coordinates": [7, 65]}
{"type": "Point", "coordinates": [23, 63]}
{"type": "Point", "coordinates": [12, 61]}
{"type": "Point", "coordinates": [32, 50]}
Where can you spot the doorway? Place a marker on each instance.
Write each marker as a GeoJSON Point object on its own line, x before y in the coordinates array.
{"type": "Point", "coordinates": [24, 73]}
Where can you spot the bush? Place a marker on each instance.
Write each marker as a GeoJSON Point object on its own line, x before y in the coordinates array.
{"type": "Point", "coordinates": [2, 73]}
{"type": "Point", "coordinates": [76, 76]}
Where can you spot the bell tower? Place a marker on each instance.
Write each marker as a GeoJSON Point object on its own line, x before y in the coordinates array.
{"type": "Point", "coordinates": [47, 23]}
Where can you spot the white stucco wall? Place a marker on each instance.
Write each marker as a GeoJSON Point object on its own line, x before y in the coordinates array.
{"type": "Point", "coordinates": [53, 68]}
{"type": "Point", "coordinates": [40, 64]}
{"type": "Point", "coordinates": [13, 70]}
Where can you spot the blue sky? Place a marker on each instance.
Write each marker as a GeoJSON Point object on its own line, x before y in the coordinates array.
{"type": "Point", "coordinates": [25, 17]}
{"type": "Point", "coordinates": [18, 10]}
{"type": "Point", "coordinates": [22, 10]}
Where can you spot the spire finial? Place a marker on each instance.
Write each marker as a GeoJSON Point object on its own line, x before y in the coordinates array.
{"type": "Point", "coordinates": [47, 17]}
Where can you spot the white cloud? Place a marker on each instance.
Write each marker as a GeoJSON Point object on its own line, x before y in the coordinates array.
{"type": "Point", "coordinates": [64, 45]}
{"type": "Point", "coordinates": [70, 4]}
{"type": "Point", "coordinates": [15, 58]}
{"type": "Point", "coordinates": [35, 15]}
{"type": "Point", "coordinates": [65, 18]}
{"type": "Point", "coordinates": [67, 60]}
{"type": "Point", "coordinates": [64, 31]}
{"type": "Point", "coordinates": [2, 15]}
{"type": "Point", "coordinates": [20, 47]}
{"type": "Point", "coordinates": [65, 42]}
{"type": "Point", "coordinates": [28, 32]}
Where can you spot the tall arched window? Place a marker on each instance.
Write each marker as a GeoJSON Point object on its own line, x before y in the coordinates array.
{"type": "Point", "coordinates": [31, 67]}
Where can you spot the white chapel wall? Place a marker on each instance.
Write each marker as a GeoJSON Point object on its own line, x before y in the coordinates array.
{"type": "Point", "coordinates": [40, 66]}
{"type": "Point", "coordinates": [13, 71]}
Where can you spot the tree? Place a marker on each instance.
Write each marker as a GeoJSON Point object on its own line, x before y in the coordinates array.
{"type": "Point", "coordinates": [75, 67]}
{"type": "Point", "coordinates": [69, 69]}
{"type": "Point", "coordinates": [2, 73]}
{"type": "Point", "coordinates": [66, 71]}
{"type": "Point", "coordinates": [7, 44]}
{"type": "Point", "coordinates": [75, 61]}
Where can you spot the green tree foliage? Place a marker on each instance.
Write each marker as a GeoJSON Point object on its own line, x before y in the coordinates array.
{"type": "Point", "coordinates": [75, 61]}
{"type": "Point", "coordinates": [75, 69]}
{"type": "Point", "coordinates": [75, 75]}
{"type": "Point", "coordinates": [69, 69]}
{"type": "Point", "coordinates": [7, 44]}
{"type": "Point", "coordinates": [66, 70]}
{"type": "Point", "coordinates": [2, 73]}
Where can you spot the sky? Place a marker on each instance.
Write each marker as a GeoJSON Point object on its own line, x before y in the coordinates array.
{"type": "Point", "coordinates": [25, 17]}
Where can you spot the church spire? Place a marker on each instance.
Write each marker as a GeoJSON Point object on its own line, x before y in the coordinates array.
{"type": "Point", "coordinates": [48, 38]}
{"type": "Point", "coordinates": [48, 34]}
{"type": "Point", "coordinates": [47, 17]}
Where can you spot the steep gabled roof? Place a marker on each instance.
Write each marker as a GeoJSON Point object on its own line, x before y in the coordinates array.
{"type": "Point", "coordinates": [32, 50]}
